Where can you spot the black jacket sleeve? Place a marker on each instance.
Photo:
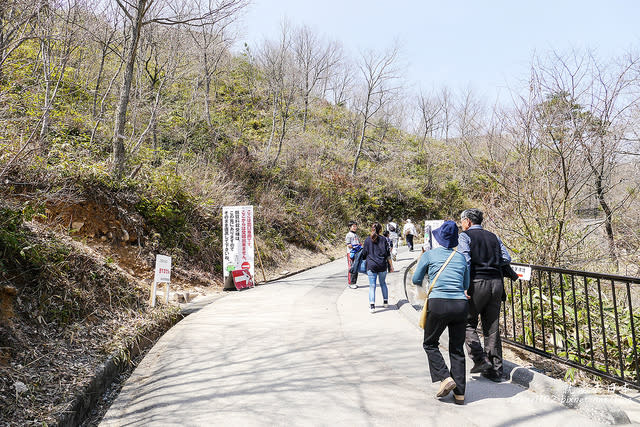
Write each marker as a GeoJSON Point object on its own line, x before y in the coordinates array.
{"type": "Point", "coordinates": [507, 271]}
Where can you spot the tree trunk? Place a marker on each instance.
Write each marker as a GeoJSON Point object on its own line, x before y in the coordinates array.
{"type": "Point", "coordinates": [359, 150]}
{"type": "Point", "coordinates": [94, 110]}
{"type": "Point", "coordinates": [273, 122]}
{"type": "Point", "coordinates": [280, 140]}
{"type": "Point", "coordinates": [44, 127]}
{"type": "Point", "coordinates": [207, 90]}
{"type": "Point", "coordinates": [608, 226]}
{"type": "Point", "coordinates": [306, 112]}
{"type": "Point", "coordinates": [118, 165]}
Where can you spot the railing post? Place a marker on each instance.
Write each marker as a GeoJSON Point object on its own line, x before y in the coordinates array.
{"type": "Point", "coordinates": [564, 316]}
{"type": "Point", "coordinates": [633, 336]}
{"type": "Point", "coordinates": [615, 311]}
{"type": "Point", "coordinates": [586, 293]}
{"type": "Point", "coordinates": [575, 317]}
{"type": "Point", "coordinates": [544, 339]}
{"type": "Point", "coordinates": [604, 332]}
{"type": "Point", "coordinates": [553, 314]}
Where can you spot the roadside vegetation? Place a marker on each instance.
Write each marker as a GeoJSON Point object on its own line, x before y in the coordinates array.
{"type": "Point", "coordinates": [128, 125]}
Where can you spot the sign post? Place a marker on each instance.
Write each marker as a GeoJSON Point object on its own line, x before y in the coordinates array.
{"type": "Point", "coordinates": [162, 275]}
{"type": "Point", "coordinates": [238, 245]}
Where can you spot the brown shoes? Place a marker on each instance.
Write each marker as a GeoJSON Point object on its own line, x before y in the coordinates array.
{"type": "Point", "coordinates": [446, 386]}
{"type": "Point", "coordinates": [458, 399]}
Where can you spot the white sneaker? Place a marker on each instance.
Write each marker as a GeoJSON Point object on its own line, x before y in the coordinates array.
{"type": "Point", "coordinates": [352, 286]}
{"type": "Point", "coordinates": [372, 308]}
{"type": "Point", "coordinates": [386, 304]}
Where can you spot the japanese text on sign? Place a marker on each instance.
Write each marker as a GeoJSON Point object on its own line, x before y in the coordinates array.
{"type": "Point", "coordinates": [524, 272]}
{"type": "Point", "coordinates": [237, 239]}
{"type": "Point", "coordinates": [163, 269]}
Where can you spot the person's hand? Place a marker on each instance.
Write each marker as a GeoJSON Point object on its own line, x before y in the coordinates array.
{"type": "Point", "coordinates": [467, 295]}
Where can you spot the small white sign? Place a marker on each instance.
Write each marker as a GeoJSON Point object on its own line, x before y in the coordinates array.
{"type": "Point", "coordinates": [163, 269]}
{"type": "Point", "coordinates": [429, 241]}
{"type": "Point", "coordinates": [524, 272]}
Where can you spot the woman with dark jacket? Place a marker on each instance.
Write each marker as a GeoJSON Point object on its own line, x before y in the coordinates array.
{"type": "Point", "coordinates": [376, 252]}
{"type": "Point", "coordinates": [448, 308]}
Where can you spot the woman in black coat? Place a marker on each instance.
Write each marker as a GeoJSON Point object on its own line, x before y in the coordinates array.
{"type": "Point", "coordinates": [376, 252]}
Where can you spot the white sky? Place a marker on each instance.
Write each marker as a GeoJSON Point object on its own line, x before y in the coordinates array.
{"type": "Point", "coordinates": [483, 45]}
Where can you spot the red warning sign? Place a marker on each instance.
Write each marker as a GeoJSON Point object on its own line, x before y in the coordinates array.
{"type": "Point", "coordinates": [242, 279]}
{"type": "Point", "coordinates": [245, 266]}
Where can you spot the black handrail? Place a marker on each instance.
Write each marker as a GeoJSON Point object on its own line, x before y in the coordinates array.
{"type": "Point", "coordinates": [593, 328]}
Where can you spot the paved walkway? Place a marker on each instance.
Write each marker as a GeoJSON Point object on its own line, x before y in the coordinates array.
{"type": "Point", "coordinates": [306, 351]}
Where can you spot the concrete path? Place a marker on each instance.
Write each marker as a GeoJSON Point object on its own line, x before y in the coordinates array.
{"type": "Point", "coordinates": [306, 351]}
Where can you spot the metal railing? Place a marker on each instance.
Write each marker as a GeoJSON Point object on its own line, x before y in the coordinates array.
{"type": "Point", "coordinates": [589, 321]}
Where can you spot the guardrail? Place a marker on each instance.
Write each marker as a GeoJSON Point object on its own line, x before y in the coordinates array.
{"type": "Point", "coordinates": [585, 320]}
{"type": "Point", "coordinates": [589, 321]}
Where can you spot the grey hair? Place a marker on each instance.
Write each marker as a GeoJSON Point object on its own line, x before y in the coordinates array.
{"type": "Point", "coordinates": [474, 215]}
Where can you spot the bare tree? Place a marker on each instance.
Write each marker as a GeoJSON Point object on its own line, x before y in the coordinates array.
{"type": "Point", "coordinates": [17, 24]}
{"type": "Point", "coordinates": [159, 54]}
{"type": "Point", "coordinates": [446, 108]}
{"type": "Point", "coordinates": [139, 13]}
{"type": "Point", "coordinates": [608, 119]}
{"type": "Point", "coordinates": [314, 59]}
{"type": "Point", "coordinates": [430, 110]}
{"type": "Point", "coordinates": [340, 82]}
{"type": "Point", "coordinates": [57, 33]}
{"type": "Point", "coordinates": [272, 59]}
{"type": "Point", "coordinates": [380, 83]}
{"type": "Point", "coordinates": [213, 43]}
{"type": "Point", "coordinates": [103, 29]}
{"type": "Point", "coordinates": [283, 79]}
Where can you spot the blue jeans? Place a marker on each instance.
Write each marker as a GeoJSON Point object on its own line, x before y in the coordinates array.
{"type": "Point", "coordinates": [372, 285]}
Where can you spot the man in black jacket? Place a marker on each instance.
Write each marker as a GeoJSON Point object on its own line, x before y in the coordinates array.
{"type": "Point", "coordinates": [488, 258]}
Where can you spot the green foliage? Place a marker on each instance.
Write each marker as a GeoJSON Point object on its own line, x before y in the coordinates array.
{"type": "Point", "coordinates": [18, 249]}
{"type": "Point", "coordinates": [165, 205]}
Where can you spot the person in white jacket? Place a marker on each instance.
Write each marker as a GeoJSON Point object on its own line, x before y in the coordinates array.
{"type": "Point", "coordinates": [408, 231]}
{"type": "Point", "coordinates": [392, 228]}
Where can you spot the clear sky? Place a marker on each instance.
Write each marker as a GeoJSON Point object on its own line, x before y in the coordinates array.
{"type": "Point", "coordinates": [483, 45]}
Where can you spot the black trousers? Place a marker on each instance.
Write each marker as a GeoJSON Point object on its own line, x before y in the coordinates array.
{"type": "Point", "coordinates": [486, 298]}
{"type": "Point", "coordinates": [451, 314]}
{"type": "Point", "coordinates": [409, 238]}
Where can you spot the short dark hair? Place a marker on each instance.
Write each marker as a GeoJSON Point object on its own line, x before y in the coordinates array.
{"type": "Point", "coordinates": [352, 223]}
{"type": "Point", "coordinates": [474, 215]}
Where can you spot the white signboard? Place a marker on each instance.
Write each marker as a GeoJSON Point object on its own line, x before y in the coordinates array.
{"type": "Point", "coordinates": [237, 239]}
{"type": "Point", "coordinates": [163, 269]}
{"type": "Point", "coordinates": [429, 241]}
{"type": "Point", "coordinates": [524, 273]}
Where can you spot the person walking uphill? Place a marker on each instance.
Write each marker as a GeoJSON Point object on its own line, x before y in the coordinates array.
{"type": "Point", "coordinates": [487, 258]}
{"type": "Point", "coordinates": [409, 230]}
{"type": "Point", "coordinates": [448, 308]}
{"type": "Point", "coordinates": [376, 252]}
{"type": "Point", "coordinates": [353, 246]}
